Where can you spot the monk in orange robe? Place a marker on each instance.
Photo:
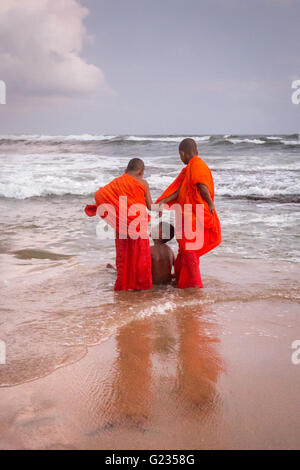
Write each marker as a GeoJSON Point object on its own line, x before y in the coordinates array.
{"type": "Point", "coordinates": [122, 203]}
{"type": "Point", "coordinates": [193, 187]}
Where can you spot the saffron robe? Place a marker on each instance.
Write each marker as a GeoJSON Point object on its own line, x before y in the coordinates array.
{"type": "Point", "coordinates": [187, 263]}
{"type": "Point", "coordinates": [133, 256]}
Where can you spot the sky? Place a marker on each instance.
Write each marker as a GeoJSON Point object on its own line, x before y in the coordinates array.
{"type": "Point", "coordinates": [149, 66]}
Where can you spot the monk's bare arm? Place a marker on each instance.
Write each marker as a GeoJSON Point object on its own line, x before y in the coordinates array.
{"type": "Point", "coordinates": [205, 194]}
{"type": "Point", "coordinates": [148, 197]}
{"type": "Point", "coordinates": [170, 198]}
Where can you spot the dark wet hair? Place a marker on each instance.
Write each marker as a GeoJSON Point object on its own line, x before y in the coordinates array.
{"type": "Point", "coordinates": [136, 164]}
{"type": "Point", "coordinates": [189, 147]}
{"type": "Point", "coordinates": [167, 231]}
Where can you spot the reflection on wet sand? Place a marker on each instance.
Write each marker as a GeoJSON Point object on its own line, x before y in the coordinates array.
{"type": "Point", "coordinates": [132, 382]}
{"type": "Point", "coordinates": [159, 382]}
{"type": "Point", "coordinates": [196, 363]}
{"type": "Point", "coordinates": [199, 363]}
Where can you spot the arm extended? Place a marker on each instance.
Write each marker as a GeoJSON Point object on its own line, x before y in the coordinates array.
{"type": "Point", "coordinates": [205, 194]}
{"type": "Point", "coordinates": [170, 198]}
{"type": "Point", "coordinates": [149, 202]}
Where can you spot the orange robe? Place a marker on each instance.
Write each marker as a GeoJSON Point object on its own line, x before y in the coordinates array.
{"type": "Point", "coordinates": [133, 256]}
{"type": "Point", "coordinates": [187, 263]}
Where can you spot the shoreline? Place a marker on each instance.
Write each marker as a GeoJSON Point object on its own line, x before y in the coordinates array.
{"type": "Point", "coordinates": [180, 380]}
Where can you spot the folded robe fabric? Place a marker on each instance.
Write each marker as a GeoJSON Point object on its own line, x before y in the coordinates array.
{"type": "Point", "coordinates": [195, 172]}
{"type": "Point", "coordinates": [91, 210]}
{"type": "Point", "coordinates": [133, 262]}
{"type": "Point", "coordinates": [130, 220]}
{"type": "Point", "coordinates": [187, 270]}
{"type": "Point", "coordinates": [118, 212]}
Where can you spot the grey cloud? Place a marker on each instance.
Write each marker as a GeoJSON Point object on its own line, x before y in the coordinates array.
{"type": "Point", "coordinates": [40, 48]}
{"type": "Point", "coordinates": [177, 66]}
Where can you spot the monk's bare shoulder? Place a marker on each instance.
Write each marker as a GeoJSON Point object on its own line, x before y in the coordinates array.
{"type": "Point", "coordinates": [145, 183]}
{"type": "Point", "coordinates": [142, 181]}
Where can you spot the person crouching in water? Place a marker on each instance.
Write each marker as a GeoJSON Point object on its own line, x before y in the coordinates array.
{"type": "Point", "coordinates": [162, 256]}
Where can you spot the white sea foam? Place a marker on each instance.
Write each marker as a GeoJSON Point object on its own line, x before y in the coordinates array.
{"type": "Point", "coordinates": [248, 141]}
{"type": "Point", "coordinates": [34, 138]}
{"type": "Point", "coordinates": [91, 137]}
{"type": "Point", "coordinates": [57, 138]}
{"type": "Point", "coordinates": [27, 187]}
{"type": "Point", "coordinates": [253, 191]}
{"type": "Point", "coordinates": [291, 142]}
{"type": "Point", "coordinates": [261, 140]}
{"type": "Point", "coordinates": [157, 181]}
{"type": "Point", "coordinates": [164, 139]}
{"type": "Point", "coordinates": [280, 220]}
{"type": "Point", "coordinates": [40, 175]}
{"type": "Point", "coordinates": [33, 175]}
{"type": "Point", "coordinates": [83, 176]}
{"type": "Point", "coordinates": [158, 309]}
{"type": "Point", "coordinates": [88, 137]}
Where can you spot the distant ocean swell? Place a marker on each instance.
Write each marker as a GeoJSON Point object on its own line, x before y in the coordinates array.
{"type": "Point", "coordinates": [290, 140]}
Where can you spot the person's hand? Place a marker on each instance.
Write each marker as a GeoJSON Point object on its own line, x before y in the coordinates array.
{"type": "Point", "coordinates": [157, 207]}
{"type": "Point", "coordinates": [211, 207]}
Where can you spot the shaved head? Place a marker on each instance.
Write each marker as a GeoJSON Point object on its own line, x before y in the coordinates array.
{"type": "Point", "coordinates": [136, 165]}
{"type": "Point", "coordinates": [189, 147]}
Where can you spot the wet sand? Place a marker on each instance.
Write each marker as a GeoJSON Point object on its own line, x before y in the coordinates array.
{"type": "Point", "coordinates": [203, 377]}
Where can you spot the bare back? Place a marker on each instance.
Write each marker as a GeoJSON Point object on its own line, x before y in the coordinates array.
{"type": "Point", "coordinates": [162, 258]}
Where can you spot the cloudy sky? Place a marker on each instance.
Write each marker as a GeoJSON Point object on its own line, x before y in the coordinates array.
{"type": "Point", "coordinates": [149, 66]}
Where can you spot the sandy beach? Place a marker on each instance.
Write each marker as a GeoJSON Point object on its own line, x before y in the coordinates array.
{"type": "Point", "coordinates": [207, 376]}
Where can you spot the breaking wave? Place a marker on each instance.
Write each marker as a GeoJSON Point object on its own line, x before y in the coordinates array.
{"type": "Point", "coordinates": [291, 139]}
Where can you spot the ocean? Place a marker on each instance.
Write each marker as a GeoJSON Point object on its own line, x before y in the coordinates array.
{"type": "Point", "coordinates": [57, 296]}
